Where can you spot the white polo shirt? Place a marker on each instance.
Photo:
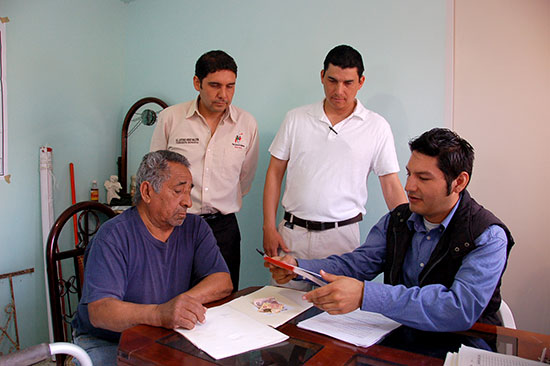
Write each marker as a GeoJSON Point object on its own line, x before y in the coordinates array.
{"type": "Point", "coordinates": [222, 165]}
{"type": "Point", "coordinates": [327, 172]}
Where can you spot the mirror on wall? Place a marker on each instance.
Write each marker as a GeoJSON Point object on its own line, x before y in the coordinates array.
{"type": "Point", "coordinates": [137, 131]}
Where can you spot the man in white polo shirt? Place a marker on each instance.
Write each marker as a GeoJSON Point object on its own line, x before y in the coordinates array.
{"type": "Point", "coordinates": [327, 150]}
{"type": "Point", "coordinates": [221, 143]}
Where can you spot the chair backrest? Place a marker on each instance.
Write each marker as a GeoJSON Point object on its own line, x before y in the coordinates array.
{"type": "Point", "coordinates": [506, 315]}
{"type": "Point", "coordinates": [64, 262]}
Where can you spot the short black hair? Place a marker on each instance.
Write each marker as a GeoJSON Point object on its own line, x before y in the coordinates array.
{"type": "Point", "coordinates": [454, 154]}
{"type": "Point", "coordinates": [345, 57]}
{"type": "Point", "coordinates": [213, 61]}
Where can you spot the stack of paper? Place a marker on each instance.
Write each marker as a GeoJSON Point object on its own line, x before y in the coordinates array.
{"type": "Point", "coordinates": [469, 356]}
{"type": "Point", "coordinates": [361, 328]}
{"type": "Point", "coordinates": [228, 332]}
{"type": "Point", "coordinates": [238, 327]}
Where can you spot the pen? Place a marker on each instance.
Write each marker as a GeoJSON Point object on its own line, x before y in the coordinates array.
{"type": "Point", "coordinates": [313, 277]}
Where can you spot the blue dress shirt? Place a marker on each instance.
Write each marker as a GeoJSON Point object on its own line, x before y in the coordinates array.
{"type": "Point", "coordinates": [432, 307]}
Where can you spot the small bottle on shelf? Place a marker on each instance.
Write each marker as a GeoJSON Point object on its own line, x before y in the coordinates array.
{"type": "Point", "coordinates": [94, 192]}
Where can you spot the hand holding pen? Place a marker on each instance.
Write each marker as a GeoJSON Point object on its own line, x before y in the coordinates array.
{"type": "Point", "coordinates": [280, 274]}
{"type": "Point", "coordinates": [286, 268]}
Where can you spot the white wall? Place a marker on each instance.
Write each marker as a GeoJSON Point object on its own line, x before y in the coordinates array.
{"type": "Point", "coordinates": [501, 105]}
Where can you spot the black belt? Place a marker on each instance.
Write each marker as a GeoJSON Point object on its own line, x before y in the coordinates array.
{"type": "Point", "coordinates": [319, 226]}
{"type": "Point", "coordinates": [214, 216]}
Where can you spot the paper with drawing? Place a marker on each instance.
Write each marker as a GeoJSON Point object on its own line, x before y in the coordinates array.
{"type": "Point", "coordinates": [291, 299]}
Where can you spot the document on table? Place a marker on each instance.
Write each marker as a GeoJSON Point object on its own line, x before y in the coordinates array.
{"type": "Point", "coordinates": [227, 332]}
{"type": "Point", "coordinates": [361, 328]}
{"type": "Point", "coordinates": [469, 356]}
{"type": "Point", "coordinates": [291, 299]}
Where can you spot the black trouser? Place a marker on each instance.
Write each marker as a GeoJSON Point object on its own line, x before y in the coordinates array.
{"type": "Point", "coordinates": [227, 234]}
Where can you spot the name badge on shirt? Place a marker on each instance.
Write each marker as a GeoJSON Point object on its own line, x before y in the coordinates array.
{"type": "Point", "coordinates": [187, 140]}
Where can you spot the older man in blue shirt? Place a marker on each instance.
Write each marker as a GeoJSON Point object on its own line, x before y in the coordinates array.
{"type": "Point", "coordinates": [442, 254]}
{"type": "Point", "coordinates": [153, 264]}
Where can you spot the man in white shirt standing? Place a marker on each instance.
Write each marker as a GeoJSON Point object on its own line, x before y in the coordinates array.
{"type": "Point", "coordinates": [327, 150]}
{"type": "Point", "coordinates": [221, 143]}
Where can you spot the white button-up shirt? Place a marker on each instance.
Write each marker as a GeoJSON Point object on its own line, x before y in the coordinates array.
{"type": "Point", "coordinates": [223, 164]}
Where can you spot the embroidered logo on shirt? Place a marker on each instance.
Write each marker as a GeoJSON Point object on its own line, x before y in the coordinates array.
{"type": "Point", "coordinates": [187, 140]}
{"type": "Point", "coordinates": [237, 144]}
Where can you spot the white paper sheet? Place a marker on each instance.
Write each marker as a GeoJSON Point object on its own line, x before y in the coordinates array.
{"type": "Point", "coordinates": [227, 332]}
{"type": "Point", "coordinates": [469, 356]}
{"type": "Point", "coordinates": [451, 359]}
{"type": "Point", "coordinates": [291, 299]}
{"type": "Point", "coordinates": [361, 328]}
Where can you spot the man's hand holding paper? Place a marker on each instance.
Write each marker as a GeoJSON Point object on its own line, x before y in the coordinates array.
{"type": "Point", "coordinates": [342, 294]}
{"type": "Point", "coordinates": [282, 275]}
{"type": "Point", "coordinates": [293, 268]}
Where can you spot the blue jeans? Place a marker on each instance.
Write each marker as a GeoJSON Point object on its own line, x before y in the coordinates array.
{"type": "Point", "coordinates": [101, 352]}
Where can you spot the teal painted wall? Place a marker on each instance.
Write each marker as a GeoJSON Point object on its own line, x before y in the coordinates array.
{"type": "Point", "coordinates": [65, 87]}
{"type": "Point", "coordinates": [75, 67]}
{"type": "Point", "coordinates": [279, 48]}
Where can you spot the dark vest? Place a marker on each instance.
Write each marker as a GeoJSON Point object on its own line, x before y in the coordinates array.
{"type": "Point", "coordinates": [469, 221]}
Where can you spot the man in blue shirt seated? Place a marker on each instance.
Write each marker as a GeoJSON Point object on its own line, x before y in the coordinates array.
{"type": "Point", "coordinates": [152, 264]}
{"type": "Point", "coordinates": [442, 254]}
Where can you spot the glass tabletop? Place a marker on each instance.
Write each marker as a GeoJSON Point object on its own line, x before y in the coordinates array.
{"type": "Point", "coordinates": [290, 352]}
{"type": "Point", "coordinates": [437, 344]}
{"type": "Point", "coordinates": [296, 352]}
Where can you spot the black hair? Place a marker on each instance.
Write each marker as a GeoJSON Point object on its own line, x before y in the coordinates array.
{"type": "Point", "coordinates": [213, 61]}
{"type": "Point", "coordinates": [454, 154]}
{"type": "Point", "coordinates": [345, 57]}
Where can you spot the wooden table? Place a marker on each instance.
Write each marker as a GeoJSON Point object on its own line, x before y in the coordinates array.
{"type": "Point", "coordinates": [146, 345]}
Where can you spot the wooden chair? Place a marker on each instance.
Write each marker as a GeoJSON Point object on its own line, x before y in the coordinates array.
{"type": "Point", "coordinates": [64, 263]}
